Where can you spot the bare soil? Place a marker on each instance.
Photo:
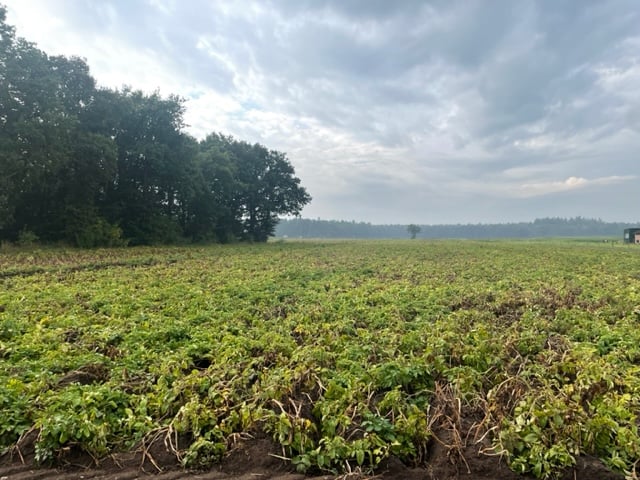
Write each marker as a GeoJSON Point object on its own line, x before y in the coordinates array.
{"type": "Point", "coordinates": [256, 459]}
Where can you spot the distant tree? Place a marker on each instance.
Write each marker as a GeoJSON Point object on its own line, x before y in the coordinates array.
{"type": "Point", "coordinates": [413, 230]}
{"type": "Point", "coordinates": [542, 227]}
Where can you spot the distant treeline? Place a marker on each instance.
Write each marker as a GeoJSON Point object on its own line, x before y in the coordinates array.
{"type": "Point", "coordinates": [93, 166]}
{"type": "Point", "coordinates": [543, 227]}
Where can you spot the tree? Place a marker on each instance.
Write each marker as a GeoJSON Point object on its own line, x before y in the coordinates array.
{"type": "Point", "coordinates": [85, 165]}
{"type": "Point", "coordinates": [209, 212]}
{"type": "Point", "coordinates": [260, 186]}
{"type": "Point", "coordinates": [51, 164]}
{"type": "Point", "coordinates": [153, 163]}
{"type": "Point", "coordinates": [413, 230]}
{"type": "Point", "coordinates": [273, 190]}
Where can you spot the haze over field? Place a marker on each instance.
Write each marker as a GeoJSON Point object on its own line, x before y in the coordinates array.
{"type": "Point", "coordinates": [423, 112]}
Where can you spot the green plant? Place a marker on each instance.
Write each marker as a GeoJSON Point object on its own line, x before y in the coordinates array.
{"type": "Point", "coordinates": [14, 405]}
{"type": "Point", "coordinates": [87, 417]}
{"type": "Point", "coordinates": [345, 353]}
{"type": "Point", "coordinates": [26, 238]}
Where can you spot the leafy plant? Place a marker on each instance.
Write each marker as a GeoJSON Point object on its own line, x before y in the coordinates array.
{"type": "Point", "coordinates": [345, 353]}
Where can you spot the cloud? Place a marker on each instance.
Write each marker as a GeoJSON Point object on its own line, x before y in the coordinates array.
{"type": "Point", "coordinates": [571, 183]}
{"type": "Point", "coordinates": [517, 189]}
{"type": "Point", "coordinates": [476, 110]}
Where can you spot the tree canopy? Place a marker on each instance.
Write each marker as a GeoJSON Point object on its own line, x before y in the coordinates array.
{"type": "Point", "coordinates": [413, 230]}
{"type": "Point", "coordinates": [94, 166]}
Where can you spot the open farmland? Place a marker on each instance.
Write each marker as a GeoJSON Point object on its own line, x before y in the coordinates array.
{"type": "Point", "coordinates": [337, 357]}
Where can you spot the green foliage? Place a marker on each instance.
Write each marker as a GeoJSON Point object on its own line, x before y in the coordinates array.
{"type": "Point", "coordinates": [14, 406]}
{"type": "Point", "coordinates": [345, 353]}
{"type": "Point", "coordinates": [413, 230]}
{"type": "Point", "coordinates": [100, 234]}
{"type": "Point", "coordinates": [89, 417]}
{"type": "Point", "coordinates": [26, 238]}
{"type": "Point", "coordinates": [88, 230]}
{"type": "Point", "coordinates": [96, 167]}
{"type": "Point", "coordinates": [203, 453]}
{"type": "Point", "coordinates": [571, 416]}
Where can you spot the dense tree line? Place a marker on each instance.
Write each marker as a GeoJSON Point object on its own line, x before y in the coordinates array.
{"type": "Point", "coordinates": [543, 227]}
{"type": "Point", "coordinates": [94, 166]}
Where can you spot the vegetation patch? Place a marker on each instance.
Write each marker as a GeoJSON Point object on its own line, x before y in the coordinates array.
{"type": "Point", "coordinates": [346, 355]}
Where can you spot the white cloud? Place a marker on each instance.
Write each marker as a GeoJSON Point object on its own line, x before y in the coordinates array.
{"type": "Point", "coordinates": [513, 187]}
{"type": "Point", "coordinates": [571, 183]}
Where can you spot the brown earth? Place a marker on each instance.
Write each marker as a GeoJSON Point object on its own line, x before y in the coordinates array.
{"type": "Point", "coordinates": [456, 451]}
{"type": "Point", "coordinates": [256, 459]}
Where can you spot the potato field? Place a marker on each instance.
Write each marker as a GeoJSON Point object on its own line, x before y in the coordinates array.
{"type": "Point", "coordinates": [344, 357]}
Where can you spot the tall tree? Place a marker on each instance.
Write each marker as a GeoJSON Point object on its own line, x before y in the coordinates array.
{"type": "Point", "coordinates": [212, 210]}
{"type": "Point", "coordinates": [266, 187]}
{"type": "Point", "coordinates": [87, 165]}
{"type": "Point", "coordinates": [151, 165]}
{"type": "Point", "coordinates": [8, 170]}
{"type": "Point", "coordinates": [46, 166]}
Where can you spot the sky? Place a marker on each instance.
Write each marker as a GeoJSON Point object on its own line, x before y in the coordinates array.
{"type": "Point", "coordinates": [429, 112]}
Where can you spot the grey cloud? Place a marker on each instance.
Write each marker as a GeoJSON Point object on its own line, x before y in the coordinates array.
{"type": "Point", "coordinates": [354, 10]}
{"type": "Point", "coordinates": [462, 92]}
{"type": "Point", "coordinates": [517, 92]}
{"type": "Point", "coordinates": [573, 39]}
{"type": "Point", "coordinates": [84, 15]}
{"type": "Point", "coordinates": [531, 70]}
{"type": "Point", "coordinates": [171, 37]}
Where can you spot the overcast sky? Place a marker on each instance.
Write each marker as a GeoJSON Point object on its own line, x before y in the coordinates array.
{"type": "Point", "coordinates": [392, 111]}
